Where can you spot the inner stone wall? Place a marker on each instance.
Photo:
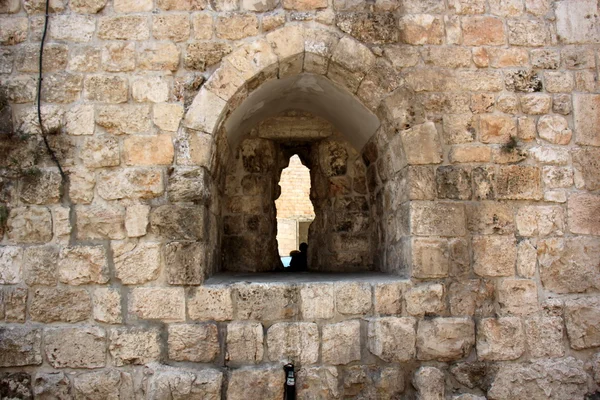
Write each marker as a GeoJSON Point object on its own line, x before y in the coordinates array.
{"type": "Point", "coordinates": [482, 186]}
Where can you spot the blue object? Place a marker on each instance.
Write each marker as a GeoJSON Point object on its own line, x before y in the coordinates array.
{"type": "Point", "coordinates": [286, 261]}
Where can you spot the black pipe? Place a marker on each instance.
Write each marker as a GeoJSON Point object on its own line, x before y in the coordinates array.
{"type": "Point", "coordinates": [289, 392]}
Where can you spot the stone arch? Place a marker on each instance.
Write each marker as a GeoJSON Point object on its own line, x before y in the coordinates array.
{"type": "Point", "coordinates": [392, 136]}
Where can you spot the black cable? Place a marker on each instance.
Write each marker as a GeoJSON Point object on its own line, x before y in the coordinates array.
{"type": "Point", "coordinates": [39, 99]}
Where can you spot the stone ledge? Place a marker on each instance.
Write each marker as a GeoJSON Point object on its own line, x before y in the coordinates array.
{"type": "Point", "coordinates": [295, 278]}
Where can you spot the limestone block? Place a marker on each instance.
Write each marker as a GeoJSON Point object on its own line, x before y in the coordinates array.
{"type": "Point", "coordinates": [583, 214]}
{"type": "Point", "coordinates": [494, 255]}
{"type": "Point", "coordinates": [87, 6]}
{"type": "Point", "coordinates": [479, 31]}
{"type": "Point", "coordinates": [181, 5]}
{"type": "Point", "coordinates": [256, 383]}
{"type": "Point", "coordinates": [526, 32]}
{"type": "Point", "coordinates": [10, 7]}
{"type": "Point", "coordinates": [470, 154]}
{"type": "Point", "coordinates": [130, 183]}
{"type": "Point", "coordinates": [11, 264]}
{"type": "Point", "coordinates": [127, 119]}
{"type": "Point", "coordinates": [154, 89]}
{"type": "Point", "coordinates": [487, 218]}
{"type": "Point", "coordinates": [13, 304]}
{"type": "Point", "coordinates": [295, 340]}
{"type": "Point", "coordinates": [388, 297]}
{"type": "Point", "coordinates": [453, 182]}
{"type": "Point", "coordinates": [167, 304]}
{"type": "Point", "coordinates": [105, 88]}
{"type": "Point", "coordinates": [167, 116]}
{"type": "Point", "coordinates": [549, 379]}
{"type": "Point", "coordinates": [178, 383]}
{"type": "Point", "coordinates": [536, 104]}
{"type": "Point", "coordinates": [199, 55]}
{"type": "Point", "coordinates": [437, 218]}
{"type": "Point", "coordinates": [352, 298]}
{"type": "Point", "coordinates": [526, 259]}
{"type": "Point", "coordinates": [559, 82]}
{"type": "Point", "coordinates": [84, 59]}
{"type": "Point", "coordinates": [136, 220]}
{"type": "Point", "coordinates": [317, 383]}
{"type": "Point", "coordinates": [317, 301]}
{"type": "Point", "coordinates": [158, 56]}
{"type": "Point", "coordinates": [124, 27]}
{"type": "Point", "coordinates": [582, 318]}
{"type": "Point", "coordinates": [244, 342]}
{"type": "Point", "coordinates": [55, 58]}
{"type": "Point", "coordinates": [149, 150]}
{"type": "Point", "coordinates": [79, 120]}
{"type": "Point", "coordinates": [107, 305]}
{"type": "Point", "coordinates": [496, 128]}
{"type": "Point", "coordinates": [60, 304]}
{"type": "Point", "coordinates": [427, 299]}
{"type": "Point", "coordinates": [372, 382]}
{"type": "Point", "coordinates": [545, 58]}
{"type": "Point", "coordinates": [14, 31]}
{"type": "Point", "coordinates": [586, 118]}
{"type": "Point", "coordinates": [545, 336]}
{"type": "Point", "coordinates": [430, 383]}
{"type": "Point", "coordinates": [100, 151]}
{"type": "Point", "coordinates": [512, 57]}
{"type": "Point", "coordinates": [341, 342]}
{"type": "Point", "coordinates": [540, 221]}
{"type": "Point", "coordinates": [118, 57]}
{"type": "Point", "coordinates": [586, 163]}
{"type": "Point", "coordinates": [519, 182]}
{"type": "Point", "coordinates": [81, 265]}
{"type": "Point", "coordinates": [353, 59]}
{"type": "Point", "coordinates": [430, 258]}
{"type": "Point", "coordinates": [517, 297]}
{"type": "Point", "coordinates": [236, 26]}
{"type": "Point", "coordinates": [136, 346]}
{"type": "Point", "coordinates": [573, 24]}
{"type": "Point", "coordinates": [100, 222]}
{"type": "Point", "coordinates": [20, 345]}
{"type": "Point", "coordinates": [188, 184]}
{"type": "Point", "coordinates": [421, 29]}
{"type": "Point", "coordinates": [500, 339]}
{"type": "Point", "coordinates": [445, 339]}
{"type": "Point", "coordinates": [186, 263]}
{"type": "Point", "coordinates": [72, 28]}
{"type": "Point", "coordinates": [75, 347]}
{"type": "Point", "coordinates": [109, 383]}
{"type": "Point", "coordinates": [211, 303]}
{"type": "Point", "coordinates": [471, 297]}
{"type": "Point", "coordinates": [204, 112]}
{"type": "Point", "coordinates": [38, 7]}
{"type": "Point", "coordinates": [195, 343]}
{"type": "Point", "coordinates": [203, 26]}
{"type": "Point", "coordinates": [51, 385]}
{"type": "Point", "coordinates": [136, 263]}
{"type": "Point", "coordinates": [22, 89]}
{"type": "Point", "coordinates": [459, 128]}
{"type": "Point", "coordinates": [392, 339]}
{"type": "Point", "coordinates": [304, 5]}
{"type": "Point", "coordinates": [131, 6]}
{"type": "Point", "coordinates": [554, 129]}
{"type": "Point", "coordinates": [179, 222]}
{"type": "Point", "coordinates": [29, 225]}
{"type": "Point", "coordinates": [567, 265]}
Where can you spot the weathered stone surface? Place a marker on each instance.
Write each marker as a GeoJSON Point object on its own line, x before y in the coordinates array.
{"type": "Point", "coordinates": [13, 304]}
{"type": "Point", "coordinates": [211, 303]}
{"type": "Point", "coordinates": [350, 61]}
{"type": "Point", "coordinates": [388, 297]}
{"type": "Point", "coordinates": [569, 265]}
{"type": "Point", "coordinates": [200, 55]}
{"type": "Point", "coordinates": [298, 340]}
{"type": "Point", "coordinates": [118, 57]}
{"type": "Point", "coordinates": [11, 264]}
{"type": "Point", "coordinates": [124, 119]}
{"type": "Point", "coordinates": [479, 31]}
{"type": "Point", "coordinates": [370, 28]}
{"type": "Point", "coordinates": [392, 339]}
{"type": "Point", "coordinates": [494, 255]}
{"type": "Point", "coordinates": [20, 345]}
{"type": "Point", "coordinates": [153, 89]}
{"type": "Point", "coordinates": [497, 128]}
{"type": "Point", "coordinates": [500, 338]}
{"type": "Point", "coordinates": [188, 184]}
{"type": "Point", "coordinates": [523, 81]}
{"type": "Point", "coordinates": [573, 23]}
{"type": "Point", "coordinates": [76, 347]}
{"type": "Point", "coordinates": [29, 225]}
{"type": "Point", "coordinates": [526, 259]}
{"type": "Point", "coordinates": [244, 342]}
{"type": "Point", "coordinates": [430, 383]}
{"type": "Point", "coordinates": [166, 304]}
{"type": "Point", "coordinates": [317, 383]}
{"type": "Point", "coordinates": [430, 258]}
{"type": "Point", "coordinates": [540, 221]}
{"type": "Point", "coordinates": [341, 342]}
{"type": "Point", "coordinates": [487, 218]}
{"type": "Point", "coordinates": [236, 26]}
{"type": "Point", "coordinates": [100, 151]}
{"type": "Point", "coordinates": [137, 346]}
{"type": "Point", "coordinates": [178, 383]}
{"type": "Point", "coordinates": [60, 304]}
{"type": "Point", "coordinates": [72, 28]}
{"type": "Point", "coordinates": [554, 129]}
{"type": "Point", "coordinates": [136, 263]}
{"type": "Point", "coordinates": [130, 183]}
{"type": "Point", "coordinates": [104, 384]}
{"type": "Point", "coordinates": [545, 336]}
{"type": "Point", "coordinates": [87, 6]}
{"type": "Point", "coordinates": [51, 385]}
{"type": "Point", "coordinates": [167, 116]}
{"type": "Point", "coordinates": [185, 263]}
{"type": "Point", "coordinates": [582, 318]}
{"type": "Point", "coordinates": [372, 382]}
{"type": "Point", "coordinates": [536, 104]}
{"type": "Point", "coordinates": [583, 215]}
{"type": "Point", "coordinates": [445, 338]}
{"type": "Point", "coordinates": [437, 219]}
{"type": "Point", "coordinates": [420, 29]}
{"type": "Point", "coordinates": [255, 383]}
{"type": "Point", "coordinates": [195, 343]}
{"type": "Point", "coordinates": [586, 163]}
{"type": "Point", "coordinates": [352, 298]}
{"type": "Point", "coordinates": [105, 88]}
{"type": "Point", "coordinates": [136, 220]}
{"type": "Point", "coordinates": [540, 380]}
{"type": "Point", "coordinates": [100, 222]}
{"type": "Point", "coordinates": [81, 265]}
{"type": "Point", "coordinates": [123, 27]}
{"type": "Point", "coordinates": [179, 222]}
{"type": "Point", "coordinates": [516, 182]}
{"type": "Point", "coordinates": [107, 305]}
{"type": "Point", "coordinates": [453, 182]}
{"type": "Point", "coordinates": [317, 301]}
{"type": "Point", "coordinates": [425, 299]}
{"type": "Point", "coordinates": [517, 297]}
{"type": "Point", "coordinates": [471, 297]}
{"type": "Point", "coordinates": [158, 56]}
{"type": "Point", "coordinates": [84, 59]}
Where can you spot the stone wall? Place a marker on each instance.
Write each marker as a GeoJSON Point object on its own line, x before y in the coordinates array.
{"type": "Point", "coordinates": [482, 186]}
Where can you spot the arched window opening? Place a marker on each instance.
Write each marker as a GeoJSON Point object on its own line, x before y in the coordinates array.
{"type": "Point", "coordinates": [295, 211]}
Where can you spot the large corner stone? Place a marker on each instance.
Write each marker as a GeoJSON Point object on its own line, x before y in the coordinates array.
{"type": "Point", "coordinates": [586, 115]}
